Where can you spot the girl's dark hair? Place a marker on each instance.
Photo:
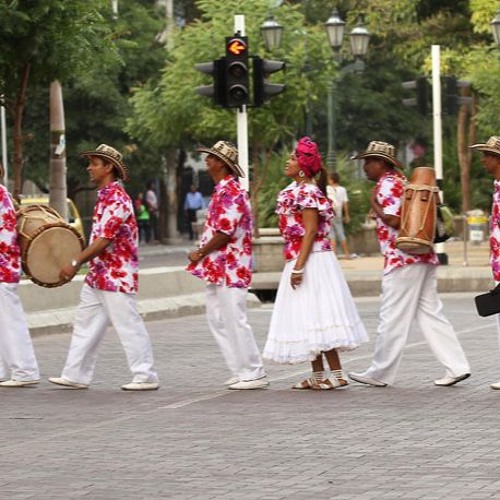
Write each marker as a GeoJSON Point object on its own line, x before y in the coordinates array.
{"type": "Point", "coordinates": [321, 180]}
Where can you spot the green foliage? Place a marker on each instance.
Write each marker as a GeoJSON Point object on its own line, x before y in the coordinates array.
{"type": "Point", "coordinates": [96, 100]}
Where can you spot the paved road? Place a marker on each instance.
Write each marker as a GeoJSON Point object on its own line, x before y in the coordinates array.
{"type": "Point", "coordinates": [195, 440]}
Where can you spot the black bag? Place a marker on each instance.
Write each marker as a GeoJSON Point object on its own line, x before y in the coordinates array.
{"type": "Point", "coordinates": [488, 303]}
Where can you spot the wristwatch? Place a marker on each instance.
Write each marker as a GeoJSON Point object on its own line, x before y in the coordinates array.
{"type": "Point", "coordinates": [74, 263]}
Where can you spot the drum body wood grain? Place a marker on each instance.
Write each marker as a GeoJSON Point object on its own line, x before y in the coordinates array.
{"type": "Point", "coordinates": [47, 244]}
{"type": "Point", "coordinates": [418, 212]}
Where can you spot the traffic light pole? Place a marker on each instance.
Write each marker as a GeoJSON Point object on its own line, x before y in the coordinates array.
{"type": "Point", "coordinates": [437, 128]}
{"type": "Point", "coordinates": [242, 118]}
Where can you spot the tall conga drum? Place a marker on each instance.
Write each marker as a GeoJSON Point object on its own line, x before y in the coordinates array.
{"type": "Point", "coordinates": [418, 212]}
{"type": "Point", "coordinates": [47, 244]}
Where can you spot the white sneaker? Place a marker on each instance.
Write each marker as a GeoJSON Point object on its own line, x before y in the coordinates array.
{"type": "Point", "coordinates": [18, 383]}
{"type": "Point", "coordinates": [231, 381]}
{"type": "Point", "coordinates": [260, 383]}
{"type": "Point", "coordinates": [141, 386]}
{"type": "Point", "coordinates": [495, 386]}
{"type": "Point", "coordinates": [67, 383]}
{"type": "Point", "coordinates": [363, 379]}
{"type": "Point", "coordinates": [447, 381]}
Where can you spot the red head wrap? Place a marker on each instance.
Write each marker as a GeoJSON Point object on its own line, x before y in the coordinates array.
{"type": "Point", "coordinates": [308, 156]}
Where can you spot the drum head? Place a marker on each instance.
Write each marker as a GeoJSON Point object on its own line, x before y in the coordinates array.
{"type": "Point", "coordinates": [51, 249]}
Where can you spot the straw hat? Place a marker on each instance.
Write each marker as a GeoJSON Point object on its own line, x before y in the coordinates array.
{"type": "Point", "coordinates": [379, 149]}
{"type": "Point", "coordinates": [227, 152]}
{"type": "Point", "coordinates": [112, 155]}
{"type": "Point", "coordinates": [492, 145]}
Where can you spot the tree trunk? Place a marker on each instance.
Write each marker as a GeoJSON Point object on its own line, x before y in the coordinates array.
{"type": "Point", "coordinates": [57, 174]}
{"type": "Point", "coordinates": [18, 160]}
{"type": "Point", "coordinates": [464, 126]}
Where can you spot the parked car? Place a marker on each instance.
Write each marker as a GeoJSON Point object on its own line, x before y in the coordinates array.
{"type": "Point", "coordinates": [74, 218]}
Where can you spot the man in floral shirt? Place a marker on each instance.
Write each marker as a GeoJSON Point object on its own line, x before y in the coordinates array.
{"type": "Point", "coordinates": [224, 262]}
{"type": "Point", "coordinates": [18, 366]}
{"type": "Point", "coordinates": [109, 292]}
{"type": "Point", "coordinates": [409, 288]}
{"type": "Point", "coordinates": [491, 162]}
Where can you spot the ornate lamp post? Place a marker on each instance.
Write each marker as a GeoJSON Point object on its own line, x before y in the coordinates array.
{"type": "Point", "coordinates": [359, 37]}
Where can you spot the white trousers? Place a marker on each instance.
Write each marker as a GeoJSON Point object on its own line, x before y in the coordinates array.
{"type": "Point", "coordinates": [410, 293]}
{"type": "Point", "coordinates": [96, 310]}
{"type": "Point", "coordinates": [227, 320]}
{"type": "Point", "coordinates": [17, 356]}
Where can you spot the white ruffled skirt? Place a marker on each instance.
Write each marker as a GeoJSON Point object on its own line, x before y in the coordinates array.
{"type": "Point", "coordinates": [317, 316]}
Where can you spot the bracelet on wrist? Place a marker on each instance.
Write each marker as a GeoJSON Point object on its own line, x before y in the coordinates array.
{"type": "Point", "coordinates": [297, 271]}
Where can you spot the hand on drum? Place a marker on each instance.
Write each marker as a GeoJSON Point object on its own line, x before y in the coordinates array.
{"type": "Point", "coordinates": [68, 272]}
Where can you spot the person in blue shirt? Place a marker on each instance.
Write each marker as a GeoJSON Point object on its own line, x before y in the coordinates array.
{"type": "Point", "coordinates": [192, 203]}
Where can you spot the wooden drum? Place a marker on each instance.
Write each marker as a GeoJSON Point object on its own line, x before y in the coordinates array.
{"type": "Point", "coordinates": [47, 244]}
{"type": "Point", "coordinates": [418, 212]}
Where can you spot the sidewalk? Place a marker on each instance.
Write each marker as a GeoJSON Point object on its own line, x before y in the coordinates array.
{"type": "Point", "coordinates": [170, 292]}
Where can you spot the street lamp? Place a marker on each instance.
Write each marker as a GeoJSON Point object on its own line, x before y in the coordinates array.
{"type": "Point", "coordinates": [359, 37]}
{"type": "Point", "coordinates": [271, 32]}
{"type": "Point", "coordinates": [495, 27]}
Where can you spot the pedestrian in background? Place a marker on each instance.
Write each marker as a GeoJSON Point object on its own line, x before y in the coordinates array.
{"type": "Point", "coordinates": [490, 160]}
{"type": "Point", "coordinates": [314, 313]}
{"type": "Point", "coordinates": [192, 203]}
{"type": "Point", "coordinates": [340, 201]}
{"type": "Point", "coordinates": [223, 261]}
{"type": "Point", "coordinates": [109, 294]}
{"type": "Point", "coordinates": [151, 201]}
{"type": "Point", "coordinates": [143, 219]}
{"type": "Point", "coordinates": [409, 286]}
{"type": "Point", "coordinates": [18, 365]}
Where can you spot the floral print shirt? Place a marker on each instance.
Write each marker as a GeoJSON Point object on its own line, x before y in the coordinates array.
{"type": "Point", "coordinates": [10, 253]}
{"type": "Point", "coordinates": [389, 194]}
{"type": "Point", "coordinates": [229, 213]}
{"type": "Point", "coordinates": [291, 202]}
{"type": "Point", "coordinates": [115, 269]}
{"type": "Point", "coordinates": [495, 232]}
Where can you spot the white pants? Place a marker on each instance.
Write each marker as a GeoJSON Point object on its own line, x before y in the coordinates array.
{"type": "Point", "coordinates": [410, 293]}
{"type": "Point", "coordinates": [96, 310]}
{"type": "Point", "coordinates": [227, 320]}
{"type": "Point", "coordinates": [17, 356]}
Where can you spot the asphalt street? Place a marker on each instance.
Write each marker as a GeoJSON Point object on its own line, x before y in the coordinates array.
{"type": "Point", "coordinates": [194, 439]}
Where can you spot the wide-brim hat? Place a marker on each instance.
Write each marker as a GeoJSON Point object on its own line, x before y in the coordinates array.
{"type": "Point", "coordinates": [227, 152]}
{"type": "Point", "coordinates": [112, 155]}
{"type": "Point", "coordinates": [492, 145]}
{"type": "Point", "coordinates": [379, 149]}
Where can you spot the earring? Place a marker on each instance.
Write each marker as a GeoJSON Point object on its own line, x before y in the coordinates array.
{"type": "Point", "coordinates": [301, 173]}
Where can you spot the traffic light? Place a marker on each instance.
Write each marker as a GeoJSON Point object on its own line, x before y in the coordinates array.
{"type": "Point", "coordinates": [451, 98]}
{"type": "Point", "coordinates": [237, 81]}
{"type": "Point", "coordinates": [421, 86]}
{"type": "Point", "coordinates": [217, 69]}
{"type": "Point", "coordinates": [262, 89]}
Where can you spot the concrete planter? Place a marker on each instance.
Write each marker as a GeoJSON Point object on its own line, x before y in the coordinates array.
{"type": "Point", "coordinates": [268, 247]}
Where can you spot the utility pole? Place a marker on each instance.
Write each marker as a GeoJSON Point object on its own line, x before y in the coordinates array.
{"type": "Point", "coordinates": [242, 117]}
{"type": "Point", "coordinates": [438, 135]}
{"type": "Point", "coordinates": [3, 127]}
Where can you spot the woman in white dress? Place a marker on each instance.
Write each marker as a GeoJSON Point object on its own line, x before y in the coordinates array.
{"type": "Point", "coordinates": [314, 314]}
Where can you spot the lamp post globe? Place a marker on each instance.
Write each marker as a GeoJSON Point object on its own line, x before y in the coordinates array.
{"type": "Point", "coordinates": [271, 32]}
{"type": "Point", "coordinates": [359, 39]}
{"type": "Point", "coordinates": [335, 27]}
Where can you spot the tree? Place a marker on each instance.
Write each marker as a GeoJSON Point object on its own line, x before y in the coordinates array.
{"type": "Point", "coordinates": [42, 41]}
